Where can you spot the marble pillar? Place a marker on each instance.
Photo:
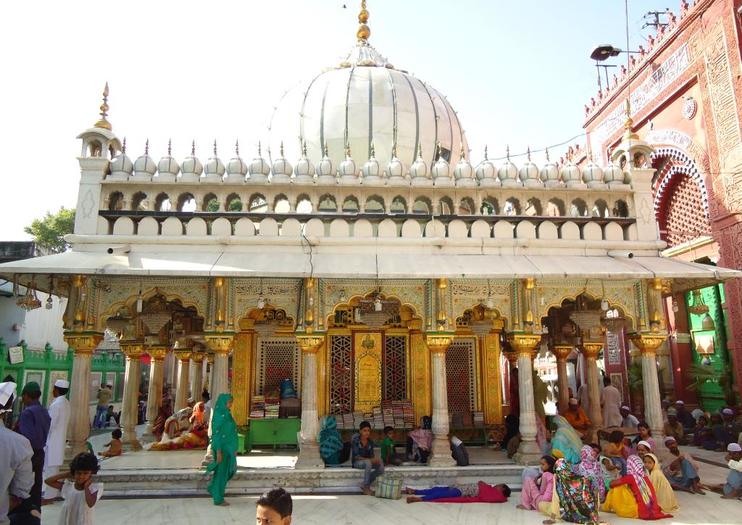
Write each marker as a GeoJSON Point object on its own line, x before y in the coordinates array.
{"type": "Point", "coordinates": [562, 353]}
{"type": "Point", "coordinates": [184, 365]}
{"type": "Point", "coordinates": [594, 384]}
{"type": "Point", "coordinates": [441, 451]}
{"type": "Point", "coordinates": [220, 344]}
{"type": "Point", "coordinates": [648, 344]}
{"type": "Point", "coordinates": [309, 456]}
{"type": "Point", "coordinates": [133, 351]}
{"type": "Point", "coordinates": [84, 344]}
{"type": "Point", "coordinates": [157, 354]}
{"type": "Point", "coordinates": [525, 346]}
{"type": "Point", "coordinates": [196, 375]}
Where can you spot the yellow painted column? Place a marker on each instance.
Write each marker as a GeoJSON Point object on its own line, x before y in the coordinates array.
{"type": "Point", "coordinates": [133, 351]}
{"type": "Point", "coordinates": [492, 374]}
{"type": "Point", "coordinates": [420, 373]}
{"type": "Point", "coordinates": [184, 384]}
{"type": "Point", "coordinates": [242, 363]}
{"type": "Point", "coordinates": [561, 352]}
{"type": "Point", "coordinates": [594, 386]}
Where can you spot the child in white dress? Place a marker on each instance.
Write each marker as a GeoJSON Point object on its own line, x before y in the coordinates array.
{"type": "Point", "coordinates": [78, 490]}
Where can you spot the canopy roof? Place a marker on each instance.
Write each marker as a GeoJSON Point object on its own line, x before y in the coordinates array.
{"type": "Point", "coordinates": [255, 263]}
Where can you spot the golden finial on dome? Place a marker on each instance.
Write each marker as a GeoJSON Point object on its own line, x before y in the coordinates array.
{"type": "Point", "coordinates": [438, 150]}
{"type": "Point", "coordinates": [363, 30]}
{"type": "Point", "coordinates": [146, 147]}
{"type": "Point", "coordinates": [373, 150]}
{"type": "Point", "coordinates": [304, 148]}
{"type": "Point", "coordinates": [419, 151]}
{"type": "Point", "coordinates": [347, 150]}
{"type": "Point", "coordinates": [103, 123]}
{"type": "Point", "coordinates": [325, 150]}
{"type": "Point", "coordinates": [629, 124]}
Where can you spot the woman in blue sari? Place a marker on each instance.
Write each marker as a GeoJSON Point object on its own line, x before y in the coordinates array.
{"type": "Point", "coordinates": [223, 447]}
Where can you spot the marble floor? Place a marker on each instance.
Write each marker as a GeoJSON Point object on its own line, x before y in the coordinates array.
{"type": "Point", "coordinates": [364, 510]}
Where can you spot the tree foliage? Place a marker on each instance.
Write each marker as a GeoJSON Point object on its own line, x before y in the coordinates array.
{"type": "Point", "coordinates": [48, 232]}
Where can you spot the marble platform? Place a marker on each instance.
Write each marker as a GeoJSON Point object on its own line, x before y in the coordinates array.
{"type": "Point", "coordinates": [179, 473]}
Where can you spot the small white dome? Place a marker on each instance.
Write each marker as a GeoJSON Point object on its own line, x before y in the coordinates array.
{"type": "Point", "coordinates": [419, 170]}
{"type": "Point", "coordinates": [304, 166]}
{"type": "Point", "coordinates": [122, 164]}
{"type": "Point", "coordinates": [215, 166]}
{"type": "Point", "coordinates": [529, 170]}
{"type": "Point", "coordinates": [550, 171]}
{"type": "Point", "coordinates": [168, 165]}
{"type": "Point", "coordinates": [282, 168]}
{"type": "Point", "coordinates": [441, 169]}
{"type": "Point", "coordinates": [144, 165]}
{"type": "Point", "coordinates": [570, 172]}
{"type": "Point", "coordinates": [463, 169]}
{"type": "Point", "coordinates": [592, 172]}
{"type": "Point", "coordinates": [191, 165]}
{"type": "Point", "coordinates": [236, 165]}
{"type": "Point", "coordinates": [485, 169]}
{"type": "Point", "coordinates": [259, 166]}
{"type": "Point", "coordinates": [396, 167]}
{"type": "Point", "coordinates": [371, 167]}
{"type": "Point", "coordinates": [613, 173]}
{"type": "Point", "coordinates": [325, 167]}
{"type": "Point", "coordinates": [507, 171]}
{"type": "Point", "coordinates": [347, 168]}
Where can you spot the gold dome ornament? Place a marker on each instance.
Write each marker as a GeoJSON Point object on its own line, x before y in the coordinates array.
{"type": "Point", "coordinates": [103, 122]}
{"type": "Point", "coordinates": [363, 30]}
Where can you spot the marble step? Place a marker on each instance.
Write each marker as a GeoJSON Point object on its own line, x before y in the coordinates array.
{"type": "Point", "coordinates": [134, 483]}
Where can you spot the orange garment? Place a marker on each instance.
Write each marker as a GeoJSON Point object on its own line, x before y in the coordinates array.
{"type": "Point", "coordinates": [578, 419]}
{"type": "Point", "coordinates": [614, 450]}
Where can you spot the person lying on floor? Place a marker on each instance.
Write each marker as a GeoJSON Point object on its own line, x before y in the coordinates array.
{"type": "Point", "coordinates": [479, 492]}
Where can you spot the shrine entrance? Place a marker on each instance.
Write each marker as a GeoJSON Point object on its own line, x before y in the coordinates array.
{"type": "Point", "coordinates": [368, 363]}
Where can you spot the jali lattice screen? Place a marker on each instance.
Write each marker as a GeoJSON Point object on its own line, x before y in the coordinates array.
{"type": "Point", "coordinates": [461, 376]}
{"type": "Point", "coordinates": [278, 359]}
{"type": "Point", "coordinates": [341, 374]}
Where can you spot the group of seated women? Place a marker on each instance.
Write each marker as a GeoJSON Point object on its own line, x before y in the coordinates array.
{"type": "Point", "coordinates": [187, 428]}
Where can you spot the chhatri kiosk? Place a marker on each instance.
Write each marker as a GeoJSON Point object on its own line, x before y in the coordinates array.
{"type": "Point", "coordinates": [367, 258]}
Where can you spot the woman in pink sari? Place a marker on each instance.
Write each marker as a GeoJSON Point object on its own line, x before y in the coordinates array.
{"type": "Point", "coordinates": [538, 489]}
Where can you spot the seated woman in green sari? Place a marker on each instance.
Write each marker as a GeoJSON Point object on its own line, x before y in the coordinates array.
{"type": "Point", "coordinates": [223, 447]}
{"type": "Point", "coordinates": [330, 442]}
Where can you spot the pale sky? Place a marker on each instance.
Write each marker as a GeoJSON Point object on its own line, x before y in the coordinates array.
{"type": "Point", "coordinates": [517, 73]}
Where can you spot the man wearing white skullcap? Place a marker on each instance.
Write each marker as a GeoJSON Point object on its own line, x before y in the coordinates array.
{"type": "Point", "coordinates": [59, 410]}
{"type": "Point", "coordinates": [16, 471]}
{"type": "Point", "coordinates": [733, 487]}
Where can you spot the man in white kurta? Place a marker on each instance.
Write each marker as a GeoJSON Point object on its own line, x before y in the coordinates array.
{"type": "Point", "coordinates": [611, 398]}
{"type": "Point", "coordinates": [59, 410]}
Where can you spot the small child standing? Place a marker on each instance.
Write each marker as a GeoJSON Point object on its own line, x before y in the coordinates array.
{"type": "Point", "coordinates": [115, 447]}
{"type": "Point", "coordinates": [78, 490]}
{"type": "Point", "coordinates": [388, 454]}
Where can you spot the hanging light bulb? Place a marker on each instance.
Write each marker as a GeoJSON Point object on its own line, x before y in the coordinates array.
{"type": "Point", "coordinates": [261, 301]}
{"type": "Point", "coordinates": [49, 302]}
{"type": "Point", "coordinates": [707, 323]}
{"type": "Point", "coordinates": [604, 305]}
{"type": "Point", "coordinates": [140, 304]}
{"type": "Point", "coordinates": [378, 307]}
{"type": "Point", "coordinates": [675, 306]}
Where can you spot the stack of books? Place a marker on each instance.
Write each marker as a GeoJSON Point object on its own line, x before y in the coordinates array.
{"type": "Point", "coordinates": [272, 406]}
{"type": "Point", "coordinates": [377, 418]}
{"type": "Point", "coordinates": [478, 419]}
{"type": "Point", "coordinates": [257, 410]}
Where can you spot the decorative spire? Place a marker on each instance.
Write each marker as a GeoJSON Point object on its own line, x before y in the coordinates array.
{"type": "Point", "coordinates": [528, 153]}
{"type": "Point", "coordinates": [507, 152]}
{"type": "Point", "coordinates": [462, 153]}
{"type": "Point", "coordinates": [193, 148]}
{"type": "Point", "coordinates": [629, 124]}
{"type": "Point", "coordinates": [394, 149]}
{"type": "Point", "coordinates": [237, 147]}
{"type": "Point", "coordinates": [325, 151]}
{"type": "Point", "coordinates": [146, 147]}
{"type": "Point", "coordinates": [419, 151]}
{"type": "Point", "coordinates": [485, 153]}
{"type": "Point", "coordinates": [547, 155]}
{"type": "Point", "coordinates": [281, 149]}
{"type": "Point", "coordinates": [260, 154]}
{"type": "Point", "coordinates": [215, 147]}
{"type": "Point", "coordinates": [438, 150]}
{"type": "Point", "coordinates": [169, 147]}
{"type": "Point", "coordinates": [373, 150]}
{"type": "Point", "coordinates": [103, 122]}
{"type": "Point", "coordinates": [363, 30]}
{"type": "Point", "coordinates": [123, 147]}
{"type": "Point", "coordinates": [304, 148]}
{"type": "Point", "coordinates": [347, 150]}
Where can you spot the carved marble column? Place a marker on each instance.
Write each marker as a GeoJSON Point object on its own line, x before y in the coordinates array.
{"type": "Point", "coordinates": [562, 353]}
{"type": "Point", "coordinates": [648, 343]}
{"type": "Point", "coordinates": [157, 354]}
{"type": "Point", "coordinates": [594, 386]}
{"type": "Point", "coordinates": [525, 347]}
{"type": "Point", "coordinates": [184, 364]}
{"type": "Point", "coordinates": [133, 350]}
{"type": "Point", "coordinates": [196, 375]}
{"type": "Point", "coordinates": [220, 344]}
{"type": "Point", "coordinates": [440, 455]}
{"type": "Point", "coordinates": [309, 456]}
{"type": "Point", "coordinates": [84, 344]}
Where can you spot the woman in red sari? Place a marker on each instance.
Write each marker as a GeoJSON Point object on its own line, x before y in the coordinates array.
{"type": "Point", "coordinates": [632, 495]}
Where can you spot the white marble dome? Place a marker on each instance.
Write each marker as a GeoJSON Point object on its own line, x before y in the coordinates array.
{"type": "Point", "coordinates": [507, 171]}
{"type": "Point", "coordinates": [236, 165]}
{"type": "Point", "coordinates": [168, 165]}
{"type": "Point", "coordinates": [441, 169]}
{"type": "Point", "coordinates": [463, 169]}
{"type": "Point", "coordinates": [304, 167]}
{"type": "Point", "coordinates": [325, 167]}
{"type": "Point", "coordinates": [259, 166]}
{"type": "Point", "coordinates": [485, 169]}
{"type": "Point", "coordinates": [361, 101]}
{"type": "Point", "coordinates": [122, 164]}
{"type": "Point", "coordinates": [191, 165]}
{"type": "Point", "coordinates": [214, 166]}
{"type": "Point", "coordinates": [549, 172]}
{"type": "Point", "coordinates": [571, 173]}
{"type": "Point", "coordinates": [613, 173]}
{"type": "Point", "coordinates": [592, 172]}
{"type": "Point", "coordinates": [528, 171]}
{"type": "Point", "coordinates": [395, 168]}
{"type": "Point", "coordinates": [419, 169]}
{"type": "Point", "coordinates": [144, 165]}
{"type": "Point", "coordinates": [371, 168]}
{"type": "Point", "coordinates": [347, 167]}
